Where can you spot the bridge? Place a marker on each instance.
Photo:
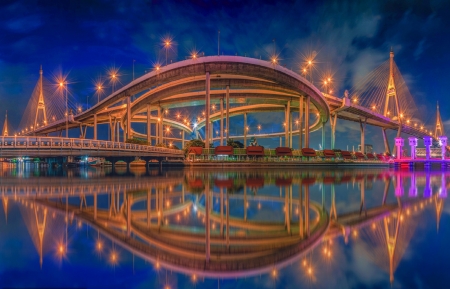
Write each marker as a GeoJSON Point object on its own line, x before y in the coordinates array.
{"type": "Point", "coordinates": [228, 86]}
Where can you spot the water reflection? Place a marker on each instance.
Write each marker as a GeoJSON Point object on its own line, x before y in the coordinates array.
{"type": "Point", "coordinates": [226, 224]}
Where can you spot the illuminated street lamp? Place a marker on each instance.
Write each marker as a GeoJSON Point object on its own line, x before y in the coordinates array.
{"type": "Point", "coordinates": [63, 85]}
{"type": "Point", "coordinates": [167, 43]}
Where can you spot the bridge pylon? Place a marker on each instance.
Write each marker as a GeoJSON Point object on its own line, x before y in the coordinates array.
{"type": "Point", "coordinates": [41, 103]}
{"type": "Point", "coordinates": [439, 128]}
{"type": "Point", "coordinates": [391, 94]}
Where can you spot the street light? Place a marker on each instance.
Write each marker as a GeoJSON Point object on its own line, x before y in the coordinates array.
{"type": "Point", "coordinates": [63, 85]}
{"type": "Point", "coordinates": [167, 43]}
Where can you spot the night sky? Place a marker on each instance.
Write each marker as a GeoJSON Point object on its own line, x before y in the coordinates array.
{"type": "Point", "coordinates": [86, 38]}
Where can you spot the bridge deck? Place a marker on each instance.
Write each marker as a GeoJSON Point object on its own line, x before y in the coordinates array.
{"type": "Point", "coordinates": [62, 147]}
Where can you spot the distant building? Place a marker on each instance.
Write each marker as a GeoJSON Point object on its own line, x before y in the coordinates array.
{"type": "Point", "coordinates": [368, 148]}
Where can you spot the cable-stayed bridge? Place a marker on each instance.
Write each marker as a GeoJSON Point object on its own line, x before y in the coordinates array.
{"type": "Point", "coordinates": [230, 86]}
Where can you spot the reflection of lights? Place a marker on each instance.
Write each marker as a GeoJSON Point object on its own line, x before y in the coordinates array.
{"type": "Point", "coordinates": [274, 273]}
{"type": "Point", "coordinates": [99, 245]}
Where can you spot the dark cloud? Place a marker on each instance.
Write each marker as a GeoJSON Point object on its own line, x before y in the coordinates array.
{"type": "Point", "coordinates": [351, 38]}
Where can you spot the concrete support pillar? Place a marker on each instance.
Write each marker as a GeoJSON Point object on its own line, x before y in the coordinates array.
{"type": "Point", "coordinates": [245, 130]}
{"type": "Point", "coordinates": [290, 129]}
{"type": "Point", "coordinates": [207, 110]}
{"type": "Point", "coordinates": [221, 122]}
{"type": "Point", "coordinates": [159, 125]}
{"type": "Point", "coordinates": [386, 141]}
{"type": "Point", "coordinates": [362, 126]}
{"type": "Point", "coordinates": [95, 126]}
{"type": "Point", "coordinates": [110, 128]}
{"type": "Point", "coordinates": [333, 121]}
{"type": "Point", "coordinates": [300, 123]}
{"type": "Point", "coordinates": [182, 139]}
{"type": "Point", "coordinates": [281, 141]}
{"type": "Point", "coordinates": [443, 141]}
{"type": "Point", "coordinates": [428, 141]}
{"type": "Point", "coordinates": [129, 136]}
{"type": "Point", "coordinates": [413, 144]}
{"type": "Point", "coordinates": [149, 125]}
{"type": "Point", "coordinates": [399, 142]}
{"type": "Point", "coordinates": [308, 100]}
{"type": "Point", "coordinates": [287, 113]}
{"type": "Point", "coordinates": [227, 96]}
{"type": "Point", "coordinates": [211, 132]}
{"type": "Point", "coordinates": [323, 135]}
{"type": "Point", "coordinates": [118, 132]}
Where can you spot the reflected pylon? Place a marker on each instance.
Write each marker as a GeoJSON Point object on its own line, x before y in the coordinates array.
{"type": "Point", "coordinates": [5, 207]}
{"type": "Point", "coordinates": [391, 231]}
{"type": "Point", "coordinates": [40, 224]}
{"type": "Point", "coordinates": [439, 205]}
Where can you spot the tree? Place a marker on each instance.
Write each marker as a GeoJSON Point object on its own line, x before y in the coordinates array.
{"type": "Point", "coordinates": [193, 143]}
{"type": "Point", "coordinates": [235, 144]}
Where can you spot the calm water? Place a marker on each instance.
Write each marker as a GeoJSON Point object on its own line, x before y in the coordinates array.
{"type": "Point", "coordinates": [97, 228]}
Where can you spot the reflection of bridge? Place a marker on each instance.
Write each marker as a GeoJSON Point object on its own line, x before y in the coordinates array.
{"type": "Point", "coordinates": [245, 85]}
{"type": "Point", "coordinates": [156, 222]}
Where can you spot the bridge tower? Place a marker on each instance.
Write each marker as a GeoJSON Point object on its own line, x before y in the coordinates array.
{"type": "Point", "coordinates": [391, 92]}
{"type": "Point", "coordinates": [439, 129]}
{"type": "Point", "coordinates": [5, 131]}
{"type": "Point", "coordinates": [41, 104]}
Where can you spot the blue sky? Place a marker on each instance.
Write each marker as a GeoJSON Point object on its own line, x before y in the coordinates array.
{"type": "Point", "coordinates": [85, 38]}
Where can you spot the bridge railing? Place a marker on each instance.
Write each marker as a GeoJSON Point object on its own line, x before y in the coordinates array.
{"type": "Point", "coordinates": [79, 144]}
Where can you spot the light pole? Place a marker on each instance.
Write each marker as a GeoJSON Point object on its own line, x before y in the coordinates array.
{"type": "Point", "coordinates": [113, 76]}
{"type": "Point", "coordinates": [167, 44]}
{"type": "Point", "coordinates": [61, 84]}
{"type": "Point", "coordinates": [99, 90]}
